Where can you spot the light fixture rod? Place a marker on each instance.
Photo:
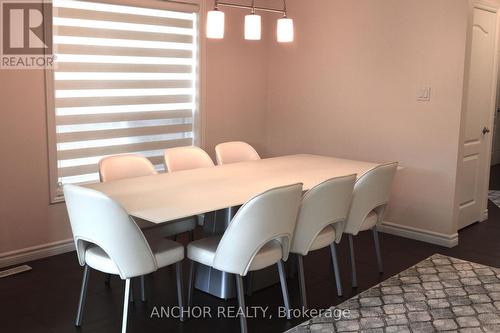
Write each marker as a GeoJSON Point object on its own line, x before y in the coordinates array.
{"type": "Point", "coordinates": [262, 9]}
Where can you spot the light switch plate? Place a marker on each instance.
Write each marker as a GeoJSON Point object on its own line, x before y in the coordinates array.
{"type": "Point", "coordinates": [424, 94]}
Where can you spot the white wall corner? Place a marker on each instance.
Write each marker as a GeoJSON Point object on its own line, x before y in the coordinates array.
{"type": "Point", "coordinates": [36, 252]}
{"type": "Point", "coordinates": [419, 234]}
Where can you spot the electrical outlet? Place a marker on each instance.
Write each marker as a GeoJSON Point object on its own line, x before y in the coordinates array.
{"type": "Point", "coordinates": [424, 94]}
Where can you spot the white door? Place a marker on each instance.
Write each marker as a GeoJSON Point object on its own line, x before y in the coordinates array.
{"type": "Point", "coordinates": [480, 104]}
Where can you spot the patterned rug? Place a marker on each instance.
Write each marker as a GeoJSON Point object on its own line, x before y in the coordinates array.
{"type": "Point", "coordinates": [494, 196]}
{"type": "Point", "coordinates": [438, 294]}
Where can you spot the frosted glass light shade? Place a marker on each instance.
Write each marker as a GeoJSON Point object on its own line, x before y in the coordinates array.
{"type": "Point", "coordinates": [252, 27]}
{"type": "Point", "coordinates": [215, 24]}
{"type": "Point", "coordinates": [285, 30]}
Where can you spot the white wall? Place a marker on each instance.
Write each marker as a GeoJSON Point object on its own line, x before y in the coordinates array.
{"type": "Point", "coordinates": [26, 218]}
{"type": "Point", "coordinates": [236, 87]}
{"type": "Point", "coordinates": [347, 87]}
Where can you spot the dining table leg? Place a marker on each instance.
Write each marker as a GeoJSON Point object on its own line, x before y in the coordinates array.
{"type": "Point", "coordinates": [208, 279]}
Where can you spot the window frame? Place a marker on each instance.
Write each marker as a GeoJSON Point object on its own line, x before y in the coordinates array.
{"type": "Point", "coordinates": [199, 117]}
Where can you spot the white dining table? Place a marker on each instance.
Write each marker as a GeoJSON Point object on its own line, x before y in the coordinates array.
{"type": "Point", "coordinates": [170, 196]}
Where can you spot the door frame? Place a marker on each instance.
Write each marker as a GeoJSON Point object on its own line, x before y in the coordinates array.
{"type": "Point", "coordinates": [483, 197]}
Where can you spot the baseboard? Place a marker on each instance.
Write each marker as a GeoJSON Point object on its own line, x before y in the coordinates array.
{"type": "Point", "coordinates": [485, 215]}
{"type": "Point", "coordinates": [36, 252]}
{"type": "Point", "coordinates": [419, 234]}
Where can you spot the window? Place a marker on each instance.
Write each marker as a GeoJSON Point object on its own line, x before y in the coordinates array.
{"type": "Point", "coordinates": [124, 81]}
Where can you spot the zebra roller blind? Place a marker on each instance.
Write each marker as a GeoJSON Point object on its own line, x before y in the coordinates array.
{"type": "Point", "coordinates": [124, 81]}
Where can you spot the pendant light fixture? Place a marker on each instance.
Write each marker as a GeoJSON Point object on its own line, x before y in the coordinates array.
{"type": "Point", "coordinates": [285, 28]}
{"type": "Point", "coordinates": [215, 23]}
{"type": "Point", "coordinates": [253, 22]}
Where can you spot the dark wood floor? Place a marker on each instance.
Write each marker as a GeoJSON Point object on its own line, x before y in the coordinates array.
{"type": "Point", "coordinates": [45, 299]}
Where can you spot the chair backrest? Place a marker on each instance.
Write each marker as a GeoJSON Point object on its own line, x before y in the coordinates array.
{"type": "Point", "coordinates": [371, 192]}
{"type": "Point", "coordinates": [266, 217]}
{"type": "Point", "coordinates": [99, 220]}
{"type": "Point", "coordinates": [125, 166]}
{"type": "Point", "coordinates": [185, 158]}
{"type": "Point", "coordinates": [234, 152]}
{"type": "Point", "coordinates": [325, 204]}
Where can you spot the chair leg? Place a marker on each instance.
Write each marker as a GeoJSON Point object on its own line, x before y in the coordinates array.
{"type": "Point", "coordinates": [292, 267]}
{"type": "Point", "coordinates": [302, 281]}
{"type": "Point", "coordinates": [284, 288]}
{"type": "Point", "coordinates": [143, 288]}
{"type": "Point", "coordinates": [125, 304]}
{"type": "Point", "coordinates": [353, 262]}
{"type": "Point", "coordinates": [241, 303]}
{"type": "Point", "coordinates": [249, 283]}
{"type": "Point", "coordinates": [377, 250]}
{"type": "Point", "coordinates": [83, 296]}
{"type": "Point", "coordinates": [191, 235]}
{"type": "Point", "coordinates": [178, 275]}
{"type": "Point", "coordinates": [336, 270]}
{"type": "Point", "coordinates": [131, 293]}
{"type": "Point", "coordinates": [191, 283]}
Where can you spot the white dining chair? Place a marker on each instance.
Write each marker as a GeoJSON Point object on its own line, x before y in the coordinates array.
{"type": "Point", "coordinates": [320, 224]}
{"type": "Point", "coordinates": [186, 158]}
{"type": "Point", "coordinates": [125, 166]}
{"type": "Point", "coordinates": [234, 152]}
{"type": "Point", "coordinates": [370, 197]}
{"type": "Point", "coordinates": [118, 167]}
{"type": "Point", "coordinates": [258, 236]}
{"type": "Point", "coordinates": [130, 166]}
{"type": "Point", "coordinates": [108, 240]}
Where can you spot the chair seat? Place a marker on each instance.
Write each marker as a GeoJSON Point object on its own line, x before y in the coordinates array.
{"type": "Point", "coordinates": [166, 253]}
{"type": "Point", "coordinates": [203, 252]}
{"type": "Point", "coordinates": [370, 221]}
{"type": "Point", "coordinates": [324, 238]}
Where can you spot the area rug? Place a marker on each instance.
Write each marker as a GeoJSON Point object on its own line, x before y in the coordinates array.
{"type": "Point", "coordinates": [439, 293]}
{"type": "Point", "coordinates": [494, 196]}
